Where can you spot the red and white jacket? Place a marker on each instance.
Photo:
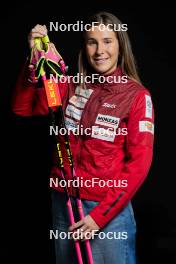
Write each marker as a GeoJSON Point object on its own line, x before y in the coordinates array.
{"type": "Point", "coordinates": [123, 160]}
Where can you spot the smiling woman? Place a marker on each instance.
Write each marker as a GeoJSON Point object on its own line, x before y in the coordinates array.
{"type": "Point", "coordinates": [102, 49]}
{"type": "Point", "coordinates": [125, 106]}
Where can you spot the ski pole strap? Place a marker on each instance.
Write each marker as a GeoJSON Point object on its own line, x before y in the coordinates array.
{"type": "Point", "coordinates": [44, 55]}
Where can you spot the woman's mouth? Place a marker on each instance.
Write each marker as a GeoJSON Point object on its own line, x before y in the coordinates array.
{"type": "Point", "coordinates": [100, 60]}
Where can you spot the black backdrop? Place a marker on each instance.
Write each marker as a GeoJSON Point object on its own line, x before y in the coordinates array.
{"type": "Point", "coordinates": [25, 144]}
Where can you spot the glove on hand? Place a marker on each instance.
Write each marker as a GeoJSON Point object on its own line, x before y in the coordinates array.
{"type": "Point", "coordinates": [45, 55]}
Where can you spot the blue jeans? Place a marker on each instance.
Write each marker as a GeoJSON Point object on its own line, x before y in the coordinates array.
{"type": "Point", "coordinates": [115, 243]}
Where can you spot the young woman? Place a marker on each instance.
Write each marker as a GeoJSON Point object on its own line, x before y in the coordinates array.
{"type": "Point", "coordinates": [112, 160]}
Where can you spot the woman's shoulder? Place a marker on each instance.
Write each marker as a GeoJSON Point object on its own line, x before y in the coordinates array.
{"type": "Point", "coordinates": [137, 87]}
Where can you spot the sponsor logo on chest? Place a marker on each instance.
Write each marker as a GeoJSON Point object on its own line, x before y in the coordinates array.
{"type": "Point", "coordinates": [109, 105]}
{"type": "Point", "coordinates": [106, 120]}
{"type": "Point", "coordinates": [73, 112]}
{"type": "Point", "coordinates": [103, 134]}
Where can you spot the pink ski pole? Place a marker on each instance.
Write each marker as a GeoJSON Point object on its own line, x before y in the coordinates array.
{"type": "Point", "coordinates": [52, 89]}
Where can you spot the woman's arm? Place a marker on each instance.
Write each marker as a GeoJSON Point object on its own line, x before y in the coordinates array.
{"type": "Point", "coordinates": [23, 95]}
{"type": "Point", "coordinates": [139, 155]}
{"type": "Point", "coordinates": [29, 97]}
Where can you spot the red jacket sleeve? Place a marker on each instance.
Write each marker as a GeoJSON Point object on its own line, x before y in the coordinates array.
{"type": "Point", "coordinates": [139, 153]}
{"type": "Point", "coordinates": [29, 100]}
{"type": "Point", "coordinates": [23, 94]}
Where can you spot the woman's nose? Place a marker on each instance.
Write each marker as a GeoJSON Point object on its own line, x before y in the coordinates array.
{"type": "Point", "coordinates": [100, 49]}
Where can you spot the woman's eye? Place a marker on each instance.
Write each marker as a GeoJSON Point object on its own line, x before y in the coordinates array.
{"type": "Point", "coordinates": [91, 42]}
{"type": "Point", "coordinates": [106, 41]}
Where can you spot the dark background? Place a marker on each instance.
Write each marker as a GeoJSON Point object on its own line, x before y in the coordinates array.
{"type": "Point", "coordinates": [25, 143]}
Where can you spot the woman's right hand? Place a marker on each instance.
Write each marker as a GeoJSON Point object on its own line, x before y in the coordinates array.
{"type": "Point", "coordinates": [38, 31]}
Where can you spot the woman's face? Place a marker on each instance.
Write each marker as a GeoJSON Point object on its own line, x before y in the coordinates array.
{"type": "Point", "coordinates": [102, 50]}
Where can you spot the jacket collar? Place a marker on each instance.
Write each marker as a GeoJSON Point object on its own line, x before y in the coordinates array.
{"type": "Point", "coordinates": [116, 73]}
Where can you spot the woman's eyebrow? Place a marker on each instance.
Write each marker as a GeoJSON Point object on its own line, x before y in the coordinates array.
{"type": "Point", "coordinates": [90, 38]}
{"type": "Point", "coordinates": [107, 38]}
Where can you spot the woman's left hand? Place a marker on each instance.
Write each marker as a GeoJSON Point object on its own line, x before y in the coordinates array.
{"type": "Point", "coordinates": [85, 228]}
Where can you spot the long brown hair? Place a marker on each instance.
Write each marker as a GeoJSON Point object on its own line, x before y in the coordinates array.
{"type": "Point", "coordinates": [126, 58]}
